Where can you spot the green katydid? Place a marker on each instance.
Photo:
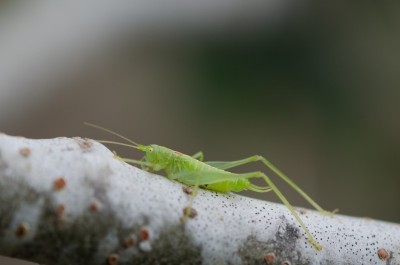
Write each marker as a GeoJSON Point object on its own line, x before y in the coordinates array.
{"type": "Point", "coordinates": [191, 170]}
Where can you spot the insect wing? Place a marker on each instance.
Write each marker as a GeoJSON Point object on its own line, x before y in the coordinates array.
{"type": "Point", "coordinates": [202, 177]}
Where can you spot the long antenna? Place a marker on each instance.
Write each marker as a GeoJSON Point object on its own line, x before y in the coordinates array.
{"type": "Point", "coordinates": [109, 131]}
{"type": "Point", "coordinates": [116, 143]}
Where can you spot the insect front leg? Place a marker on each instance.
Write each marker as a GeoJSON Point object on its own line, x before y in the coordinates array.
{"type": "Point", "coordinates": [145, 165]}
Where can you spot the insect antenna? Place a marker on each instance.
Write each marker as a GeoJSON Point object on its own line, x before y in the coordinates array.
{"type": "Point", "coordinates": [116, 143]}
{"type": "Point", "coordinates": [112, 132]}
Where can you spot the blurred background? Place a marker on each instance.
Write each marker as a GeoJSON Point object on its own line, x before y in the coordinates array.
{"type": "Point", "coordinates": [312, 86]}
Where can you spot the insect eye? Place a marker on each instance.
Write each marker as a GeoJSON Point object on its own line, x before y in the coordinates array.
{"type": "Point", "coordinates": [150, 149]}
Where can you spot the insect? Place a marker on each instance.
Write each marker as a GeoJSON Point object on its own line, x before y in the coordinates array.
{"type": "Point", "coordinates": [212, 175]}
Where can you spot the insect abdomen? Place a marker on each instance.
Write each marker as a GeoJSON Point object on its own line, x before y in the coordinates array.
{"type": "Point", "coordinates": [227, 186]}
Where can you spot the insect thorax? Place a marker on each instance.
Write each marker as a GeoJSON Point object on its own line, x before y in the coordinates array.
{"type": "Point", "coordinates": [168, 159]}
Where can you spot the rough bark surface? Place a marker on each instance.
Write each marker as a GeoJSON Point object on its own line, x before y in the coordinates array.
{"type": "Point", "coordinates": [69, 201]}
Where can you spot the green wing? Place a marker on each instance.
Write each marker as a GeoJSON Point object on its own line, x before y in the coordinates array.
{"type": "Point", "coordinates": [203, 177]}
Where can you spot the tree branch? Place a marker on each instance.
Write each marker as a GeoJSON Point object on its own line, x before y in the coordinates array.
{"type": "Point", "coordinates": [68, 201]}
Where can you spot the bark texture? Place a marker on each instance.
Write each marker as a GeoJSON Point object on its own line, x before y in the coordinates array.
{"type": "Point", "coordinates": [69, 201]}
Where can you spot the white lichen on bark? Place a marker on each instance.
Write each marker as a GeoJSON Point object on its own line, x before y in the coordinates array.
{"type": "Point", "coordinates": [69, 201]}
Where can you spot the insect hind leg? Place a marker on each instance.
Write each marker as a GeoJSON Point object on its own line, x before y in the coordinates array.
{"type": "Point", "coordinates": [295, 187]}
{"type": "Point", "coordinates": [231, 164]}
{"type": "Point", "coordinates": [256, 188]}
{"type": "Point", "coordinates": [290, 207]}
